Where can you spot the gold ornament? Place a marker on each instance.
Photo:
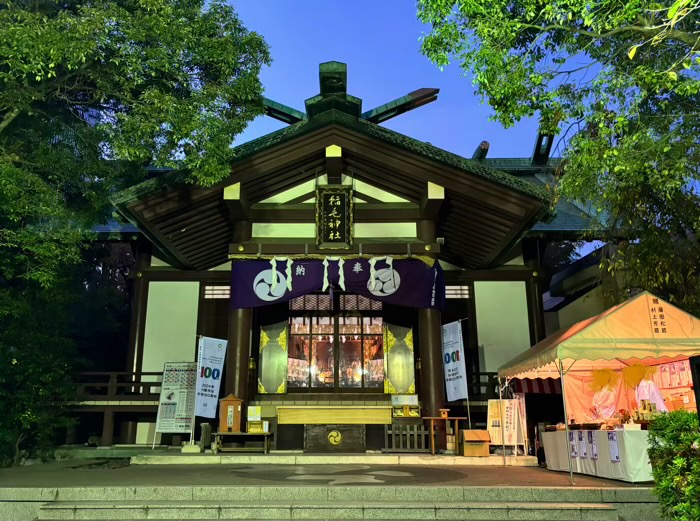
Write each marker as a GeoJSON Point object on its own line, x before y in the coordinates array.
{"type": "Point", "coordinates": [282, 339]}
{"type": "Point", "coordinates": [389, 340]}
{"type": "Point", "coordinates": [264, 339]}
{"type": "Point", "coordinates": [409, 339]}
{"type": "Point", "coordinates": [334, 437]}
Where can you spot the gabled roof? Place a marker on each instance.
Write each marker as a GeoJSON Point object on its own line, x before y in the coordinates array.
{"type": "Point", "coordinates": [485, 210]}
{"type": "Point", "coordinates": [569, 220]}
{"type": "Point", "coordinates": [337, 117]}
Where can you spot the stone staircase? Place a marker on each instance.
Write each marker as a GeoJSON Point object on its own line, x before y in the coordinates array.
{"type": "Point", "coordinates": [330, 502]}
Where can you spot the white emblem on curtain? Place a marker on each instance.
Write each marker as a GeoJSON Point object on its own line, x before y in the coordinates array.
{"type": "Point", "coordinates": [383, 282]}
{"type": "Point", "coordinates": [263, 286]}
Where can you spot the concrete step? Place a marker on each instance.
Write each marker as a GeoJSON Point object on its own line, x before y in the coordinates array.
{"type": "Point", "coordinates": [137, 510]}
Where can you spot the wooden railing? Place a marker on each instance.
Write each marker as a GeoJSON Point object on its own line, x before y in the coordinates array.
{"type": "Point", "coordinates": [119, 385]}
{"type": "Point", "coordinates": [144, 386]}
{"type": "Point", "coordinates": [483, 386]}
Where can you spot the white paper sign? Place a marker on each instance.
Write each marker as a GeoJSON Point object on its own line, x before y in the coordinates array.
{"type": "Point", "coordinates": [176, 404]}
{"type": "Point", "coordinates": [453, 362]}
{"type": "Point", "coordinates": [513, 434]}
{"type": "Point", "coordinates": [583, 446]}
{"type": "Point", "coordinates": [614, 449]}
{"type": "Point", "coordinates": [572, 445]}
{"type": "Point", "coordinates": [594, 444]}
{"type": "Point", "coordinates": [210, 368]}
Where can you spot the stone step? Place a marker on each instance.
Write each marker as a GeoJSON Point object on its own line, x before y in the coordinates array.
{"type": "Point", "coordinates": [578, 494]}
{"type": "Point", "coordinates": [137, 510]}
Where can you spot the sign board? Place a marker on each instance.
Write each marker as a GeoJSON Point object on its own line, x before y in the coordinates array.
{"type": "Point", "coordinates": [176, 403]}
{"type": "Point", "coordinates": [398, 400]}
{"type": "Point", "coordinates": [210, 368]}
{"type": "Point", "coordinates": [514, 433]}
{"type": "Point", "coordinates": [453, 362]}
{"type": "Point", "coordinates": [334, 217]}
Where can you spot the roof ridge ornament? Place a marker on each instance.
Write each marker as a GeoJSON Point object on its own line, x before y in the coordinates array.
{"type": "Point", "coordinates": [333, 95]}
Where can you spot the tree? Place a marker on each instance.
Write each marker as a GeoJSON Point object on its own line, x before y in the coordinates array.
{"type": "Point", "coordinates": [620, 83]}
{"type": "Point", "coordinates": [91, 93]}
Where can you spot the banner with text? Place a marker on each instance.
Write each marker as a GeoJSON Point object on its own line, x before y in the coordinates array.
{"type": "Point", "coordinates": [176, 404]}
{"type": "Point", "coordinates": [403, 282]}
{"type": "Point", "coordinates": [210, 367]}
{"type": "Point", "coordinates": [453, 362]}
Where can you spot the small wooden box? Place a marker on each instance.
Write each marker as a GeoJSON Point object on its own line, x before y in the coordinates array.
{"type": "Point", "coordinates": [475, 443]}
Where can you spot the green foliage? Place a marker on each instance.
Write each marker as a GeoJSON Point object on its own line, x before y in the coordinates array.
{"type": "Point", "coordinates": [620, 82]}
{"type": "Point", "coordinates": [163, 82]}
{"type": "Point", "coordinates": [674, 452]}
{"type": "Point", "coordinates": [90, 93]}
{"type": "Point", "coordinates": [36, 386]}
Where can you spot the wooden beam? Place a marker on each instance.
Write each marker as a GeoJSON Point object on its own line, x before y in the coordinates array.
{"type": "Point", "coordinates": [334, 164]}
{"type": "Point", "coordinates": [432, 200]}
{"type": "Point", "coordinates": [462, 277]}
{"type": "Point", "coordinates": [252, 249]}
{"type": "Point", "coordinates": [368, 212]}
{"type": "Point", "coordinates": [236, 201]}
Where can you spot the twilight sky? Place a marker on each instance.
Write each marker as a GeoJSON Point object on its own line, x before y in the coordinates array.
{"type": "Point", "coordinates": [378, 40]}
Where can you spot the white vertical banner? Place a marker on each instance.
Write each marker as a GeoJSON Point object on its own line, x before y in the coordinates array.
{"type": "Point", "coordinates": [175, 406]}
{"type": "Point", "coordinates": [210, 367]}
{"type": "Point", "coordinates": [453, 362]}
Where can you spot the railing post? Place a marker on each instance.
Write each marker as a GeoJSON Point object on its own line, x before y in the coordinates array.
{"type": "Point", "coordinates": [112, 385]}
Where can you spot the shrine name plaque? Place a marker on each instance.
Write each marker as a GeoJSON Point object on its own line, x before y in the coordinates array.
{"type": "Point", "coordinates": [334, 217]}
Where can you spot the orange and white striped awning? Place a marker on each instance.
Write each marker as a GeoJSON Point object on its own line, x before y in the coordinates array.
{"type": "Point", "coordinates": [536, 385]}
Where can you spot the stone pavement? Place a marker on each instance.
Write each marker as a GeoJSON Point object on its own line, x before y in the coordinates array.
{"type": "Point", "coordinates": [113, 489]}
{"type": "Point", "coordinates": [106, 473]}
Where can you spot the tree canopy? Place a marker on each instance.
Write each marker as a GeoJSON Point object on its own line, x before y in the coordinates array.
{"type": "Point", "coordinates": [90, 94]}
{"type": "Point", "coordinates": [91, 91]}
{"type": "Point", "coordinates": [619, 82]}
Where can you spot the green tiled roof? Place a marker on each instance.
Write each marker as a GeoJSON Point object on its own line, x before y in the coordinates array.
{"type": "Point", "coordinates": [568, 217]}
{"type": "Point", "coordinates": [370, 129]}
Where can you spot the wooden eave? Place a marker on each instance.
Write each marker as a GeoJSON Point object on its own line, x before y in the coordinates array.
{"type": "Point", "coordinates": [478, 220]}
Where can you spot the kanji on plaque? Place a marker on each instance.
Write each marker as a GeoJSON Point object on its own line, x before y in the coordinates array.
{"type": "Point", "coordinates": [334, 217]}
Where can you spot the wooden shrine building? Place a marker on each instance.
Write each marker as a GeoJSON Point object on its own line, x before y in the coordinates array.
{"type": "Point", "coordinates": [329, 259]}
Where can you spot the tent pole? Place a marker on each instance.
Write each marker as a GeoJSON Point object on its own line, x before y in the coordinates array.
{"type": "Point", "coordinates": [503, 432]}
{"type": "Point", "coordinates": [566, 422]}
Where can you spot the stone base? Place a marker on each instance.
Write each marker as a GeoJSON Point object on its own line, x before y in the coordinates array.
{"type": "Point", "coordinates": [191, 449]}
{"type": "Point", "coordinates": [336, 459]}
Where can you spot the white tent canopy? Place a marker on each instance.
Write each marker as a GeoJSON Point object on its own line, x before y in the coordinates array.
{"type": "Point", "coordinates": [644, 329]}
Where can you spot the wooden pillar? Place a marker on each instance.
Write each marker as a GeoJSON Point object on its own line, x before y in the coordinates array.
{"type": "Point", "coordinates": [239, 329]}
{"type": "Point", "coordinates": [107, 428]}
{"type": "Point", "coordinates": [533, 249]}
{"type": "Point", "coordinates": [142, 252]}
{"type": "Point", "coordinates": [430, 339]}
{"type": "Point", "coordinates": [432, 395]}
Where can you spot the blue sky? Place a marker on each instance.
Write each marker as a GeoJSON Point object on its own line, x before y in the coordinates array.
{"type": "Point", "coordinates": [379, 42]}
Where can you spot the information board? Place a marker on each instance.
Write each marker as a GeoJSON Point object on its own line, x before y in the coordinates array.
{"type": "Point", "coordinates": [176, 404]}
{"type": "Point", "coordinates": [514, 434]}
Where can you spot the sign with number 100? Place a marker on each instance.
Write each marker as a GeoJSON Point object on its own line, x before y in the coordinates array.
{"type": "Point", "coordinates": [208, 372]}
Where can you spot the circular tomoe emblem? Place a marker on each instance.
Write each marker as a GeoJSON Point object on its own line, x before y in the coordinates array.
{"type": "Point", "coordinates": [334, 437]}
{"type": "Point", "coordinates": [262, 286]}
{"type": "Point", "coordinates": [386, 282]}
